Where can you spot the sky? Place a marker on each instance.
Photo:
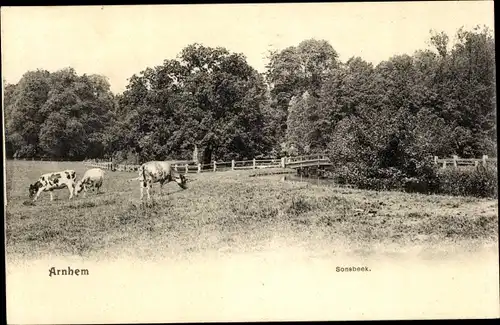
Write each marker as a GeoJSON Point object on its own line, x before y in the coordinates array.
{"type": "Point", "coordinates": [119, 41]}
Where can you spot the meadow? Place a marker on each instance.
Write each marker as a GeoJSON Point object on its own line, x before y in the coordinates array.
{"type": "Point", "coordinates": [230, 212]}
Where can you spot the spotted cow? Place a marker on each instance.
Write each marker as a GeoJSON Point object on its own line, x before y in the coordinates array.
{"type": "Point", "coordinates": [92, 178]}
{"type": "Point", "coordinates": [53, 181]}
{"type": "Point", "coordinates": [158, 172]}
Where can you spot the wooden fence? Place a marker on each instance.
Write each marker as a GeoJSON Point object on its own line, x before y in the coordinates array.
{"type": "Point", "coordinates": [455, 161]}
{"type": "Point", "coordinates": [197, 168]}
{"type": "Point", "coordinates": [317, 157]}
{"type": "Point", "coordinates": [191, 167]}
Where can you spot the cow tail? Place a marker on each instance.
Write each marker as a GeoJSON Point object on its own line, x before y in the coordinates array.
{"type": "Point", "coordinates": [143, 176]}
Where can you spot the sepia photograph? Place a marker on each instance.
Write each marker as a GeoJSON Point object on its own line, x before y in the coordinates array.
{"type": "Point", "coordinates": [250, 162]}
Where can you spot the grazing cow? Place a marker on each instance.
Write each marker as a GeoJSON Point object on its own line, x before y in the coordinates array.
{"type": "Point", "coordinates": [53, 181]}
{"type": "Point", "coordinates": [158, 172]}
{"type": "Point", "coordinates": [92, 178]}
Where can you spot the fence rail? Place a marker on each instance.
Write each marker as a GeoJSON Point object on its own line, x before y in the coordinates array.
{"type": "Point", "coordinates": [191, 167]}
{"type": "Point", "coordinates": [456, 161]}
{"type": "Point", "coordinates": [317, 157]}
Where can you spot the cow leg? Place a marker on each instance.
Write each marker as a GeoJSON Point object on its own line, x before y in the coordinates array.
{"type": "Point", "coordinates": [148, 189]}
{"type": "Point", "coordinates": [51, 195]}
{"type": "Point", "coordinates": [70, 188]}
{"type": "Point", "coordinates": [38, 194]}
{"type": "Point", "coordinates": [142, 190]}
{"type": "Point", "coordinates": [161, 186]}
{"type": "Point", "coordinates": [178, 180]}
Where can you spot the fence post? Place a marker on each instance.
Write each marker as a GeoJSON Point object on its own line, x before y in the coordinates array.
{"type": "Point", "coordinates": [215, 165]}
{"type": "Point", "coordinates": [444, 163]}
{"type": "Point", "coordinates": [282, 162]}
{"type": "Point", "coordinates": [187, 168]}
{"type": "Point", "coordinates": [175, 167]}
{"type": "Point", "coordinates": [476, 163]}
{"type": "Point", "coordinates": [254, 163]}
{"type": "Point", "coordinates": [455, 158]}
{"type": "Point", "coordinates": [232, 164]}
{"type": "Point", "coordinates": [485, 157]}
{"type": "Point", "coordinates": [435, 160]}
{"type": "Point", "coordinates": [199, 168]}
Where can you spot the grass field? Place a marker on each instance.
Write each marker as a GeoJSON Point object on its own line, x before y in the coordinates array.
{"type": "Point", "coordinates": [231, 212]}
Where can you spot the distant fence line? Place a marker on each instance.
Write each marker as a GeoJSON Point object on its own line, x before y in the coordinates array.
{"type": "Point", "coordinates": [45, 159]}
{"type": "Point", "coordinates": [193, 167]}
{"type": "Point", "coordinates": [456, 161]}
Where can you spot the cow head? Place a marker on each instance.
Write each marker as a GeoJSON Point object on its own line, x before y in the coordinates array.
{"type": "Point", "coordinates": [79, 186]}
{"type": "Point", "coordinates": [33, 189]}
{"type": "Point", "coordinates": [181, 181]}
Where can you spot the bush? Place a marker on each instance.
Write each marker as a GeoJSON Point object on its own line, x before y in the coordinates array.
{"type": "Point", "coordinates": [368, 180]}
{"type": "Point", "coordinates": [348, 174]}
{"type": "Point", "coordinates": [423, 178]}
{"type": "Point", "coordinates": [125, 157]}
{"type": "Point", "coordinates": [478, 182]}
{"type": "Point", "coordinates": [392, 151]}
{"type": "Point", "coordinates": [385, 153]}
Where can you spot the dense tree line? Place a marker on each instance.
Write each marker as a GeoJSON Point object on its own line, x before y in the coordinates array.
{"type": "Point", "coordinates": [58, 115]}
{"type": "Point", "coordinates": [438, 101]}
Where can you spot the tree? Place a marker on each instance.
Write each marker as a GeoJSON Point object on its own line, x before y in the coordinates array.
{"type": "Point", "coordinates": [24, 112]}
{"type": "Point", "coordinates": [347, 90]}
{"type": "Point", "coordinates": [59, 115]}
{"type": "Point", "coordinates": [465, 88]}
{"type": "Point", "coordinates": [293, 71]}
{"type": "Point", "coordinates": [207, 97]}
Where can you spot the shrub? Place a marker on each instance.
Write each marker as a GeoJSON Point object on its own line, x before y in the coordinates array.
{"type": "Point", "coordinates": [349, 174]}
{"type": "Point", "coordinates": [384, 152]}
{"type": "Point", "coordinates": [125, 157]}
{"type": "Point", "coordinates": [422, 177]}
{"type": "Point", "coordinates": [426, 179]}
{"type": "Point", "coordinates": [392, 151]}
{"type": "Point", "coordinates": [478, 182]}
